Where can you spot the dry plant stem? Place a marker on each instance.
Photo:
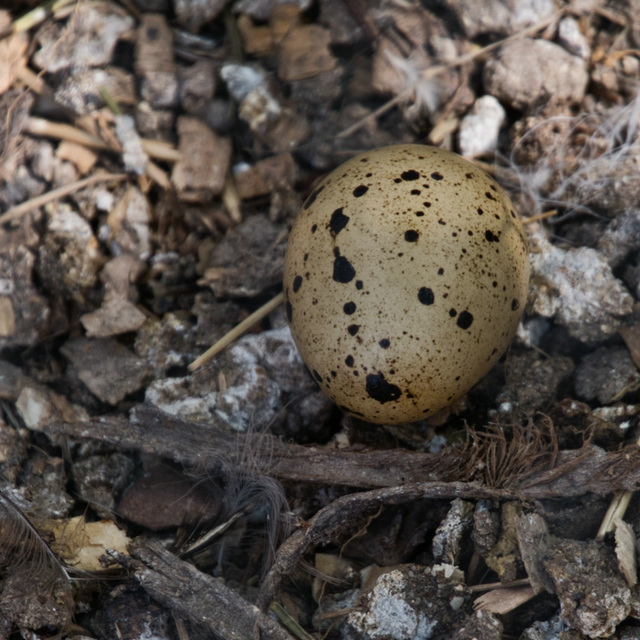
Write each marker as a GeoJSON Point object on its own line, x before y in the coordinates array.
{"type": "Point", "coordinates": [489, 586]}
{"type": "Point", "coordinates": [438, 69]}
{"type": "Point", "coordinates": [199, 598]}
{"type": "Point", "coordinates": [48, 129]}
{"type": "Point", "coordinates": [617, 509]}
{"type": "Point", "coordinates": [541, 216]}
{"type": "Point", "coordinates": [31, 79]}
{"type": "Point", "coordinates": [42, 127]}
{"type": "Point", "coordinates": [237, 331]}
{"type": "Point", "coordinates": [60, 192]}
{"type": "Point", "coordinates": [39, 14]}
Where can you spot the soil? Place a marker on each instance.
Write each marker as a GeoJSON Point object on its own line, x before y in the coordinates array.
{"type": "Point", "coordinates": [153, 158]}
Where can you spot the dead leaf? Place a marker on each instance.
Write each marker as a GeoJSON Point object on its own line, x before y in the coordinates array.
{"type": "Point", "coordinates": [626, 550]}
{"type": "Point", "coordinates": [81, 544]}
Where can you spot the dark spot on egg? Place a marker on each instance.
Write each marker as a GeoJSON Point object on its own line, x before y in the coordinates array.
{"type": "Point", "coordinates": [490, 236]}
{"type": "Point", "coordinates": [453, 313]}
{"type": "Point", "coordinates": [317, 376]}
{"type": "Point", "coordinates": [349, 361]}
{"type": "Point", "coordinates": [437, 176]}
{"type": "Point", "coordinates": [515, 305]}
{"type": "Point", "coordinates": [360, 191]}
{"type": "Point", "coordinates": [359, 284]}
{"type": "Point", "coordinates": [425, 295]}
{"type": "Point", "coordinates": [381, 390]}
{"type": "Point", "coordinates": [349, 308]}
{"type": "Point", "coordinates": [353, 329]}
{"type": "Point", "coordinates": [343, 270]}
{"type": "Point", "coordinates": [419, 214]}
{"type": "Point", "coordinates": [415, 192]}
{"type": "Point", "coordinates": [314, 228]}
{"type": "Point", "coordinates": [409, 175]}
{"type": "Point", "coordinates": [338, 221]}
{"type": "Point", "coordinates": [465, 319]}
{"type": "Point", "coordinates": [490, 196]}
{"type": "Point", "coordinates": [289, 310]}
{"type": "Point", "coordinates": [480, 211]}
{"type": "Point", "coordinates": [426, 204]}
{"type": "Point", "coordinates": [384, 343]}
{"type": "Point", "coordinates": [297, 283]}
{"type": "Point", "coordinates": [411, 235]}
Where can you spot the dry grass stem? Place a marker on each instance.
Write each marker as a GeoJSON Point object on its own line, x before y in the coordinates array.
{"type": "Point", "coordinates": [39, 14]}
{"type": "Point", "coordinates": [59, 131]}
{"type": "Point", "coordinates": [489, 586]}
{"type": "Point", "coordinates": [541, 216]}
{"type": "Point", "coordinates": [60, 192]}
{"type": "Point", "coordinates": [237, 331]}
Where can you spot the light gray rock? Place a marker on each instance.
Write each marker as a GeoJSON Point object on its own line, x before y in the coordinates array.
{"type": "Point", "coordinates": [526, 73]}
{"type": "Point", "coordinates": [499, 17]}
{"type": "Point", "coordinates": [578, 289]}
{"type": "Point", "coordinates": [606, 374]}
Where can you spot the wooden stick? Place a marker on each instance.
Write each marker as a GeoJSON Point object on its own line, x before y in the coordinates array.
{"type": "Point", "coordinates": [237, 331]}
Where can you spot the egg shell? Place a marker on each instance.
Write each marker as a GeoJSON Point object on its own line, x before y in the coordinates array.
{"type": "Point", "coordinates": [405, 276]}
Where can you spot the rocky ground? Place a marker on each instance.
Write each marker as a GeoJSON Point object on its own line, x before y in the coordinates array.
{"type": "Point", "coordinates": [154, 155]}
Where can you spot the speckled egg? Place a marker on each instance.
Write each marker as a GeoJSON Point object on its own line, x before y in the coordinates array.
{"type": "Point", "coordinates": [406, 274]}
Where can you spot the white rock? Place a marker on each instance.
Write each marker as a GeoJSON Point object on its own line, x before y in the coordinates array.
{"type": "Point", "coordinates": [571, 38]}
{"type": "Point", "coordinates": [480, 128]}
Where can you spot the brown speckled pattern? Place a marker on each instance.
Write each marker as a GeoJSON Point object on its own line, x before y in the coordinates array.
{"type": "Point", "coordinates": [405, 277]}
